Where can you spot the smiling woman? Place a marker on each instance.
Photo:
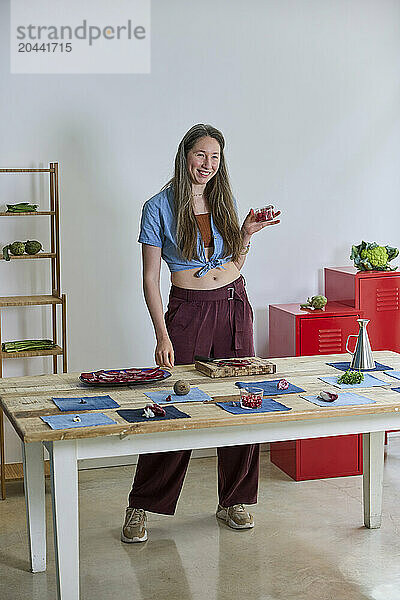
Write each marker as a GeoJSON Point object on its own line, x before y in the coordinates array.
{"type": "Point", "coordinates": [203, 160]}
{"type": "Point", "coordinates": [201, 186]}
{"type": "Point", "coordinates": [193, 225]}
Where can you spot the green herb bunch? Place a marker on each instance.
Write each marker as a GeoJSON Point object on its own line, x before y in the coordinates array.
{"type": "Point", "coordinates": [350, 377]}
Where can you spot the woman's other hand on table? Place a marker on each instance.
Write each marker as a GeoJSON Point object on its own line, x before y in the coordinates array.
{"type": "Point", "coordinates": [164, 353]}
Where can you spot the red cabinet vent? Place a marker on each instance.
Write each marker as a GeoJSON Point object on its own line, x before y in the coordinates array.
{"type": "Point", "coordinates": [329, 341]}
{"type": "Point", "coordinates": [387, 299]}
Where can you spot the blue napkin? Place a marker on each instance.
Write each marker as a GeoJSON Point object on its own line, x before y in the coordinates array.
{"type": "Point", "coordinates": [86, 420]}
{"type": "Point", "coordinates": [343, 366]}
{"type": "Point", "coordinates": [269, 387]}
{"type": "Point", "coordinates": [195, 395]}
{"type": "Point", "coordinates": [395, 374]}
{"type": "Point", "coordinates": [91, 403]}
{"type": "Point", "coordinates": [369, 381]}
{"type": "Point", "coordinates": [268, 405]}
{"type": "Point", "coordinates": [344, 399]}
{"type": "Point", "coordinates": [395, 389]}
{"type": "Point", "coordinates": [135, 415]}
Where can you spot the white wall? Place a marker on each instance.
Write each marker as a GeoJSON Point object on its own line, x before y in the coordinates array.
{"type": "Point", "coordinates": [307, 95]}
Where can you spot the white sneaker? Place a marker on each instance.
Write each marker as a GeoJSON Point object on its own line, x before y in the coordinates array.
{"type": "Point", "coordinates": [236, 516]}
{"type": "Point", "coordinates": [134, 528]}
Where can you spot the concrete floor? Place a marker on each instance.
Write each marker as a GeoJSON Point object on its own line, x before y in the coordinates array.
{"type": "Point", "coordinates": [308, 543]}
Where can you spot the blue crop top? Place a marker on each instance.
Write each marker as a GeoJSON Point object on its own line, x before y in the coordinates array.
{"type": "Point", "coordinates": [158, 227]}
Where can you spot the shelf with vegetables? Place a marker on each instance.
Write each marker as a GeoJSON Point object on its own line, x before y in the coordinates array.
{"type": "Point", "coordinates": [28, 249]}
{"type": "Point", "coordinates": [27, 256]}
{"type": "Point", "coordinates": [26, 213]}
{"type": "Point", "coordinates": [24, 251]}
{"type": "Point", "coordinates": [26, 348]}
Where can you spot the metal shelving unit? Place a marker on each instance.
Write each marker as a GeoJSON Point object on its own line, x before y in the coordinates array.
{"type": "Point", "coordinates": [54, 299]}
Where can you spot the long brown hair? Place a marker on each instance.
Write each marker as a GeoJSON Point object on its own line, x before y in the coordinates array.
{"type": "Point", "coordinates": [218, 193]}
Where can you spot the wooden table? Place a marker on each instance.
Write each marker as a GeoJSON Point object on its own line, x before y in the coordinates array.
{"type": "Point", "coordinates": [25, 399]}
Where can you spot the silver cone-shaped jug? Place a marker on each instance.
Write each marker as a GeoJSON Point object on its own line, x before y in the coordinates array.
{"type": "Point", "coordinates": [362, 355]}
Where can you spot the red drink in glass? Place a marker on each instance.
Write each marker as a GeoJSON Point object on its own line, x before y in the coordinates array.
{"type": "Point", "coordinates": [251, 399]}
{"type": "Point", "coordinates": [264, 214]}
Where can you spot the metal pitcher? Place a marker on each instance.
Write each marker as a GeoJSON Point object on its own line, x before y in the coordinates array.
{"type": "Point", "coordinates": [362, 355]}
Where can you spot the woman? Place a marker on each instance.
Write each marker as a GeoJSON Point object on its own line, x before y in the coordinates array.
{"type": "Point", "coordinates": [192, 224]}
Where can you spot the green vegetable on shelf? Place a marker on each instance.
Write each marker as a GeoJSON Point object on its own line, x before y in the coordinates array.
{"type": "Point", "coordinates": [33, 247]}
{"type": "Point", "coordinates": [16, 248]}
{"type": "Point", "coordinates": [315, 302]}
{"type": "Point", "coordinates": [350, 377]}
{"type": "Point", "coordinates": [21, 207]}
{"type": "Point", "coordinates": [6, 254]}
{"type": "Point", "coordinates": [27, 345]}
{"type": "Point", "coordinates": [369, 256]}
{"type": "Point", "coordinates": [19, 248]}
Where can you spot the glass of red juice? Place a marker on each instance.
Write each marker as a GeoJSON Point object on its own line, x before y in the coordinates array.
{"type": "Point", "coordinates": [251, 398]}
{"type": "Point", "coordinates": [266, 213]}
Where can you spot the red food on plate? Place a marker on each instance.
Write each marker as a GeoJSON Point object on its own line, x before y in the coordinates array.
{"type": "Point", "coordinates": [124, 376]}
{"type": "Point", "coordinates": [87, 375]}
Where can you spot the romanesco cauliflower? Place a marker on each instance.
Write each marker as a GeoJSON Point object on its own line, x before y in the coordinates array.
{"type": "Point", "coordinates": [378, 256]}
{"type": "Point", "coordinates": [369, 256]}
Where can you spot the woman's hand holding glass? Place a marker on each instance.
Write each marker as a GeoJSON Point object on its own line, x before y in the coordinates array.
{"type": "Point", "coordinates": [250, 225]}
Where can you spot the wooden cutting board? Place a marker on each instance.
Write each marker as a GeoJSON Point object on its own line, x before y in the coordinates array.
{"type": "Point", "coordinates": [258, 366]}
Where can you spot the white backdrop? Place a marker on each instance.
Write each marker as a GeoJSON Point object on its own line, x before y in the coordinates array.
{"type": "Point", "coordinates": [307, 95]}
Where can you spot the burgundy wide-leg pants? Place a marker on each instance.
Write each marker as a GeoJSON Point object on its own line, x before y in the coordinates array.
{"type": "Point", "coordinates": [216, 323]}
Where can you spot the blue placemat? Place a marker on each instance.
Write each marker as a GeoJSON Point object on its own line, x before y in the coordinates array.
{"type": "Point", "coordinates": [86, 420]}
{"type": "Point", "coordinates": [91, 403]}
{"type": "Point", "coordinates": [369, 381]}
{"type": "Point", "coordinates": [344, 399]}
{"type": "Point", "coordinates": [395, 389]}
{"type": "Point", "coordinates": [395, 374]}
{"type": "Point", "coordinates": [343, 366]}
{"type": "Point", "coordinates": [135, 415]}
{"type": "Point", "coordinates": [268, 405]}
{"type": "Point", "coordinates": [269, 387]}
{"type": "Point", "coordinates": [195, 395]}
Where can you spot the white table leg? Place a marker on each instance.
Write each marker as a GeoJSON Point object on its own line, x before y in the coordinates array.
{"type": "Point", "coordinates": [373, 452]}
{"type": "Point", "coordinates": [35, 504]}
{"type": "Point", "coordinates": [64, 490]}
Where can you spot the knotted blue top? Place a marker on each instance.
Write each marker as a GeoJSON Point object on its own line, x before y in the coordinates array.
{"type": "Point", "coordinates": [158, 228]}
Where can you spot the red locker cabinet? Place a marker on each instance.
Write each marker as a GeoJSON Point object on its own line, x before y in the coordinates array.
{"type": "Point", "coordinates": [376, 295]}
{"type": "Point", "coordinates": [297, 332]}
